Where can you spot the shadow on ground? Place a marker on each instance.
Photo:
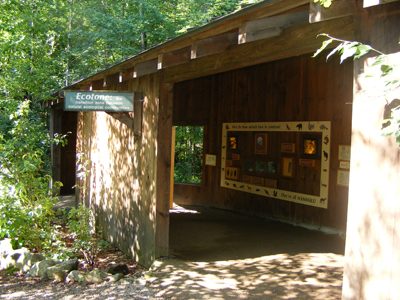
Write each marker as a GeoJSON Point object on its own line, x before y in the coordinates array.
{"type": "Point", "coordinates": [216, 254]}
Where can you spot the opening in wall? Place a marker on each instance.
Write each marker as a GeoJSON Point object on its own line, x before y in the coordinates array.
{"type": "Point", "coordinates": [188, 154]}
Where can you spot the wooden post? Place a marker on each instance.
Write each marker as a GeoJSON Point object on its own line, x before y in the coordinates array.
{"type": "Point", "coordinates": [164, 168]}
{"type": "Point", "coordinates": [55, 150]}
{"type": "Point", "coordinates": [171, 193]}
{"type": "Point", "coordinates": [372, 260]}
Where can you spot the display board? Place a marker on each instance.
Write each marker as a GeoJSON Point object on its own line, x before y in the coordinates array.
{"type": "Point", "coordinates": [98, 101]}
{"type": "Point", "coordinates": [282, 160]}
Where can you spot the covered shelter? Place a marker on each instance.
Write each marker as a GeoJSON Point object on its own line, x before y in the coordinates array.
{"type": "Point", "coordinates": [279, 127]}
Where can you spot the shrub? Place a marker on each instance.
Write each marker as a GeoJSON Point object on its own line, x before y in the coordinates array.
{"type": "Point", "coordinates": [81, 226]}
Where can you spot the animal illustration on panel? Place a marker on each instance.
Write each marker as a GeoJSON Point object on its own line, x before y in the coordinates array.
{"type": "Point", "coordinates": [326, 155]}
{"type": "Point", "coordinates": [323, 127]}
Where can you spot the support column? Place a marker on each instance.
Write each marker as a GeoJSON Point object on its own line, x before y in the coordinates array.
{"type": "Point", "coordinates": [164, 168]}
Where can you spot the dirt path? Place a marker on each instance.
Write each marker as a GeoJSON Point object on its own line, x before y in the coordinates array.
{"type": "Point", "coordinates": [216, 254]}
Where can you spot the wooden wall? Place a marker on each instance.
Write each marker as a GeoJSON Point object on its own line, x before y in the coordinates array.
{"type": "Point", "coordinates": [121, 183]}
{"type": "Point", "coordinates": [295, 89]}
{"type": "Point", "coordinates": [63, 158]}
{"type": "Point", "coordinates": [372, 256]}
{"type": "Point", "coordinates": [68, 153]}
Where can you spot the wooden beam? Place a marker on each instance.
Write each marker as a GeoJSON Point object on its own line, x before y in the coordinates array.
{"type": "Point", "coordinates": [214, 45]}
{"type": "Point", "coordinates": [123, 117]}
{"type": "Point", "coordinates": [111, 79]}
{"type": "Point", "coordinates": [97, 84]}
{"type": "Point", "coordinates": [84, 87]}
{"type": "Point", "coordinates": [295, 40]}
{"type": "Point", "coordinates": [126, 74]}
{"type": "Point", "coordinates": [369, 3]}
{"type": "Point", "coordinates": [269, 27]}
{"type": "Point", "coordinates": [338, 8]}
{"type": "Point", "coordinates": [138, 100]}
{"type": "Point", "coordinates": [132, 119]}
{"type": "Point", "coordinates": [174, 58]}
{"type": "Point", "coordinates": [146, 68]}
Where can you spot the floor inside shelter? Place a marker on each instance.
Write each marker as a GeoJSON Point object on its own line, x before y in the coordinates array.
{"type": "Point", "coordinates": [217, 254]}
{"type": "Point", "coordinates": [209, 234]}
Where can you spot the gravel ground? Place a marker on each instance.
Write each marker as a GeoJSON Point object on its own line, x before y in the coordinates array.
{"type": "Point", "coordinates": [316, 276]}
{"type": "Point", "coordinates": [129, 288]}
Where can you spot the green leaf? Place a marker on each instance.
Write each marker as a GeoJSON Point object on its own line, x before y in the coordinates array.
{"type": "Point", "coordinates": [362, 50]}
{"type": "Point", "coordinates": [324, 45]}
{"type": "Point", "coordinates": [337, 49]}
{"type": "Point", "coordinates": [386, 69]}
{"type": "Point", "coordinates": [348, 51]}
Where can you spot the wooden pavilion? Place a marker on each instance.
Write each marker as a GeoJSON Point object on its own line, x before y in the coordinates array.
{"type": "Point", "coordinates": [250, 76]}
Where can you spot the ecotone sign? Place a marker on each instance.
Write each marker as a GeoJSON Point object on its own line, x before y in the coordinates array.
{"type": "Point", "coordinates": [98, 101]}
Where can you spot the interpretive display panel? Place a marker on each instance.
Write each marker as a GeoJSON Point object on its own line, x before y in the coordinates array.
{"type": "Point", "coordinates": [98, 101]}
{"type": "Point", "coordinates": [282, 160]}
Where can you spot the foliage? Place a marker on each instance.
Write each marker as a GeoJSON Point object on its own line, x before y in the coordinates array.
{"type": "Point", "coordinates": [391, 78]}
{"type": "Point", "coordinates": [188, 154]}
{"type": "Point", "coordinates": [26, 199]}
{"type": "Point", "coordinates": [324, 3]}
{"type": "Point", "coordinates": [46, 45]}
{"type": "Point", "coordinates": [81, 226]}
{"type": "Point", "coordinates": [82, 169]}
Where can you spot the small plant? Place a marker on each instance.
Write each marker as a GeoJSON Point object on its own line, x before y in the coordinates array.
{"type": "Point", "coordinates": [11, 270]}
{"type": "Point", "coordinates": [81, 226]}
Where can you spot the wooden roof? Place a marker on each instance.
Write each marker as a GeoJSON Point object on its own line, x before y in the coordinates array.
{"type": "Point", "coordinates": [266, 31]}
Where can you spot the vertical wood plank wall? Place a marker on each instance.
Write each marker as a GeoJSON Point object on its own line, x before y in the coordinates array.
{"type": "Point", "coordinates": [372, 259]}
{"type": "Point", "coordinates": [294, 89]}
{"type": "Point", "coordinates": [121, 185]}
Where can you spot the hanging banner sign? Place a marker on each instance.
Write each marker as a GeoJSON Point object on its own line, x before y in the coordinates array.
{"type": "Point", "coordinates": [98, 101]}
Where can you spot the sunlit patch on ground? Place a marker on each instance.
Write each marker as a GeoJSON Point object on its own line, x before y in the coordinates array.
{"type": "Point", "coordinates": [282, 276]}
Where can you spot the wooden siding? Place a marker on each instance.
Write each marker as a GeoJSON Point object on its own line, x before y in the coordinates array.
{"type": "Point", "coordinates": [121, 185]}
{"type": "Point", "coordinates": [294, 89]}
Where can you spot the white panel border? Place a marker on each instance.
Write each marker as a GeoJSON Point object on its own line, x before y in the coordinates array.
{"type": "Point", "coordinates": [323, 127]}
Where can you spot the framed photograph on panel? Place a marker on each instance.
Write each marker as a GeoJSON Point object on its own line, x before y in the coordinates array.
{"type": "Point", "coordinates": [247, 179]}
{"type": "Point", "coordinates": [211, 160]}
{"type": "Point", "coordinates": [235, 156]}
{"type": "Point", "coordinates": [288, 147]}
{"type": "Point", "coordinates": [228, 163]}
{"type": "Point", "coordinates": [287, 168]}
{"type": "Point", "coordinates": [261, 143]}
{"type": "Point", "coordinates": [271, 183]}
{"type": "Point", "coordinates": [232, 173]}
{"type": "Point", "coordinates": [260, 167]}
{"type": "Point", "coordinates": [248, 166]}
{"type": "Point", "coordinates": [233, 142]}
{"type": "Point", "coordinates": [258, 181]}
{"type": "Point", "coordinates": [306, 162]}
{"type": "Point", "coordinates": [272, 167]}
{"type": "Point", "coordinates": [310, 146]}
